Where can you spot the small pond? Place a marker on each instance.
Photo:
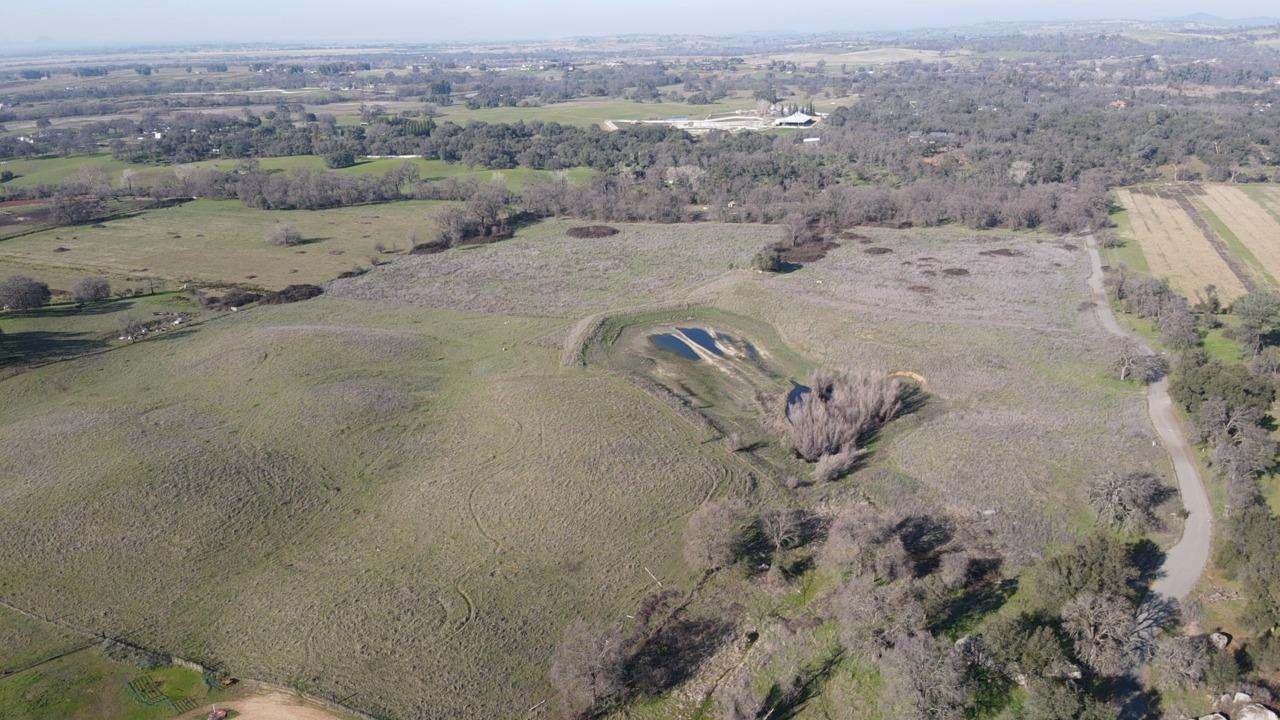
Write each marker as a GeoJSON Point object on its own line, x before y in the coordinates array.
{"type": "Point", "coordinates": [673, 344]}
{"type": "Point", "coordinates": [703, 338]}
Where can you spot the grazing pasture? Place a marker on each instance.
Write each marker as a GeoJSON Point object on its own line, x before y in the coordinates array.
{"type": "Point", "coordinates": [222, 242]}
{"type": "Point", "coordinates": [542, 271]}
{"type": "Point", "coordinates": [398, 496]}
{"type": "Point", "coordinates": [453, 499]}
{"type": "Point", "coordinates": [1006, 353]}
{"type": "Point", "coordinates": [1176, 248]}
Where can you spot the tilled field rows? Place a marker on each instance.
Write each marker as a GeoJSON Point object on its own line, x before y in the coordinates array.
{"type": "Point", "coordinates": [1176, 248]}
{"type": "Point", "coordinates": [1256, 228]}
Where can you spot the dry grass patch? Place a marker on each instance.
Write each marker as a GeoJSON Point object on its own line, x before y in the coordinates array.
{"type": "Point", "coordinates": [1022, 411]}
{"type": "Point", "coordinates": [541, 272]}
{"type": "Point", "coordinates": [1256, 228]}
{"type": "Point", "coordinates": [1175, 248]}
{"type": "Point", "coordinates": [212, 242]}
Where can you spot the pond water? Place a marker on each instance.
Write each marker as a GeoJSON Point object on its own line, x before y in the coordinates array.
{"type": "Point", "coordinates": [673, 344]}
{"type": "Point", "coordinates": [703, 338]}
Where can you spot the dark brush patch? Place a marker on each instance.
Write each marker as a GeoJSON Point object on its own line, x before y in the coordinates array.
{"type": "Point", "coordinates": [591, 231]}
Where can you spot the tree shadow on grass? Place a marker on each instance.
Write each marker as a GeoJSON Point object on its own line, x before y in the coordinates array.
{"type": "Point", "coordinates": [787, 703]}
{"type": "Point", "coordinates": [70, 310]}
{"type": "Point", "coordinates": [972, 604]}
{"type": "Point", "coordinates": [674, 653]}
{"type": "Point", "coordinates": [38, 346]}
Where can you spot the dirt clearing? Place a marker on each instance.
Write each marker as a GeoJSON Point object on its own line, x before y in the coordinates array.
{"type": "Point", "coordinates": [270, 705]}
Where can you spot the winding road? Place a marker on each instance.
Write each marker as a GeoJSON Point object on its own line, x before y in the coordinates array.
{"type": "Point", "coordinates": [1186, 560]}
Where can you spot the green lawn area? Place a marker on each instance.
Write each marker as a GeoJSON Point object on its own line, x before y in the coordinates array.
{"type": "Point", "coordinates": [1130, 254]}
{"type": "Point", "coordinates": [51, 673]}
{"type": "Point", "coordinates": [54, 170]}
{"type": "Point", "coordinates": [88, 685]}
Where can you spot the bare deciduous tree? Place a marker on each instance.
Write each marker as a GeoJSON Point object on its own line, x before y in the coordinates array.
{"type": "Point", "coordinates": [714, 536]}
{"type": "Point", "coordinates": [954, 568]}
{"type": "Point", "coordinates": [284, 235]}
{"type": "Point", "coordinates": [586, 668]}
{"type": "Point", "coordinates": [926, 678]}
{"type": "Point", "coordinates": [873, 617]}
{"type": "Point", "coordinates": [782, 527]}
{"type": "Point", "coordinates": [1101, 626]}
{"type": "Point", "coordinates": [91, 289]}
{"type": "Point", "coordinates": [22, 293]}
{"type": "Point", "coordinates": [1127, 502]}
{"type": "Point", "coordinates": [838, 412]}
{"type": "Point", "coordinates": [1217, 420]}
{"type": "Point", "coordinates": [1182, 661]}
{"type": "Point", "coordinates": [1131, 362]}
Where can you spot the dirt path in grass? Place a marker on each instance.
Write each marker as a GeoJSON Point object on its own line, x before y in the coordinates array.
{"type": "Point", "coordinates": [268, 705]}
{"type": "Point", "coordinates": [1186, 560]}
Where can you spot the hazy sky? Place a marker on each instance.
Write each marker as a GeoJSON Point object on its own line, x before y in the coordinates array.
{"type": "Point", "coordinates": [118, 22]}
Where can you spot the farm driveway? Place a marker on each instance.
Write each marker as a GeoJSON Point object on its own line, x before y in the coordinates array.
{"type": "Point", "coordinates": [1186, 560]}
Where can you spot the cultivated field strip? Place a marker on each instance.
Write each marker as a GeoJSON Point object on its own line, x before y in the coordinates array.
{"type": "Point", "coordinates": [1256, 228]}
{"type": "Point", "coordinates": [1176, 248]}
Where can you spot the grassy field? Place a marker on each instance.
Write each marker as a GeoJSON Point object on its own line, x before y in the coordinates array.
{"type": "Point", "coordinates": [544, 272]}
{"type": "Point", "coordinates": [48, 171]}
{"type": "Point", "coordinates": [452, 500]}
{"type": "Point", "coordinates": [397, 495]}
{"type": "Point", "coordinates": [1005, 349]}
{"type": "Point", "coordinates": [218, 242]}
{"type": "Point", "coordinates": [123, 174]}
{"type": "Point", "coordinates": [51, 673]}
{"type": "Point", "coordinates": [62, 331]}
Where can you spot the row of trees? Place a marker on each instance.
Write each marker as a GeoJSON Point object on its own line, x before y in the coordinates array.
{"type": "Point", "coordinates": [22, 293]}
{"type": "Point", "coordinates": [1229, 403]}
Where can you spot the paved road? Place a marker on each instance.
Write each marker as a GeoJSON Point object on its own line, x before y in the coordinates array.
{"type": "Point", "coordinates": [1186, 560]}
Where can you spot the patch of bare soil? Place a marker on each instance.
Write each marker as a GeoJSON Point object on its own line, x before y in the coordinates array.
{"type": "Point", "coordinates": [269, 705]}
{"type": "Point", "coordinates": [877, 251]}
{"type": "Point", "coordinates": [955, 272]}
{"type": "Point", "coordinates": [1001, 252]}
{"type": "Point", "coordinates": [591, 231]}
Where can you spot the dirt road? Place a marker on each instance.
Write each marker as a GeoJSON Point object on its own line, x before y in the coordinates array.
{"type": "Point", "coordinates": [269, 705]}
{"type": "Point", "coordinates": [1186, 560]}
